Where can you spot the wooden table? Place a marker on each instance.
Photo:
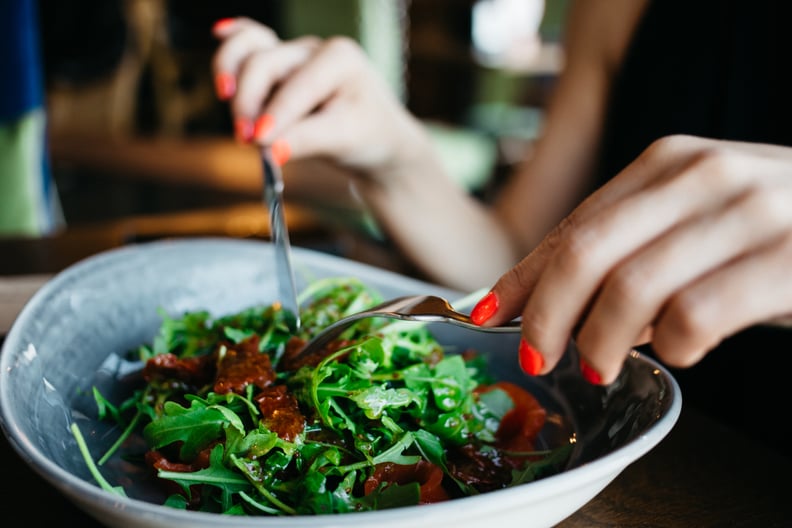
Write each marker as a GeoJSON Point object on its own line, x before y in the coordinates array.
{"type": "Point", "coordinates": [701, 475]}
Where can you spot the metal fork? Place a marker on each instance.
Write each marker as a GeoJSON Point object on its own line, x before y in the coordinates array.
{"type": "Point", "coordinates": [273, 199]}
{"type": "Point", "coordinates": [424, 308]}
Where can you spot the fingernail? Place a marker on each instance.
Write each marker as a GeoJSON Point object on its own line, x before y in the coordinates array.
{"type": "Point", "coordinates": [222, 24]}
{"type": "Point", "coordinates": [243, 129]}
{"type": "Point", "coordinates": [225, 86]}
{"type": "Point", "coordinates": [531, 361]}
{"type": "Point", "coordinates": [281, 152]}
{"type": "Point", "coordinates": [589, 374]}
{"type": "Point", "coordinates": [485, 308]}
{"type": "Point", "coordinates": [263, 126]}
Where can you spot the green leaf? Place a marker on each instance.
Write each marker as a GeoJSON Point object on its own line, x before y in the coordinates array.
{"type": "Point", "coordinates": [104, 407]}
{"type": "Point", "coordinates": [254, 444]}
{"type": "Point", "coordinates": [228, 481]}
{"type": "Point", "coordinates": [260, 506]}
{"type": "Point", "coordinates": [392, 496]}
{"type": "Point", "coordinates": [497, 401]}
{"type": "Point", "coordinates": [488, 411]}
{"type": "Point", "coordinates": [452, 385]}
{"type": "Point", "coordinates": [342, 499]}
{"type": "Point", "coordinates": [176, 501]}
{"type": "Point", "coordinates": [431, 447]}
{"type": "Point", "coordinates": [237, 336]}
{"type": "Point", "coordinates": [196, 426]}
{"type": "Point", "coordinates": [263, 477]}
{"type": "Point", "coordinates": [433, 450]}
{"type": "Point", "coordinates": [97, 475]}
{"type": "Point", "coordinates": [551, 463]}
{"type": "Point", "coordinates": [186, 336]}
{"type": "Point", "coordinates": [376, 399]}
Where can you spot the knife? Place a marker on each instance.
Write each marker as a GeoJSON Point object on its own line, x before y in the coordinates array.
{"type": "Point", "coordinates": [273, 198]}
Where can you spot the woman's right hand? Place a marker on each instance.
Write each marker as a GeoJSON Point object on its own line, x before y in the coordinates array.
{"type": "Point", "coordinates": [686, 246]}
{"type": "Point", "coordinates": [314, 97]}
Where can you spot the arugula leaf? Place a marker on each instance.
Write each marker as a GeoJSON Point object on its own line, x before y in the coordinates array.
{"type": "Point", "coordinates": [551, 463]}
{"type": "Point", "coordinates": [452, 384]}
{"type": "Point", "coordinates": [195, 426]}
{"type": "Point", "coordinates": [376, 400]}
{"type": "Point", "coordinates": [217, 475]}
{"type": "Point", "coordinates": [186, 336]}
{"type": "Point", "coordinates": [236, 335]}
{"type": "Point", "coordinates": [388, 496]}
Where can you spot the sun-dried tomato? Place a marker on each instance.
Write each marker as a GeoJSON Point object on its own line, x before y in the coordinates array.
{"type": "Point", "coordinates": [428, 475]}
{"type": "Point", "coordinates": [192, 371]}
{"type": "Point", "coordinates": [280, 412]}
{"type": "Point", "coordinates": [483, 470]}
{"type": "Point", "coordinates": [293, 360]}
{"type": "Point", "coordinates": [242, 365]}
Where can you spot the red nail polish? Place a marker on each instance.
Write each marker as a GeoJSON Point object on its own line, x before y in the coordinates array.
{"type": "Point", "coordinates": [485, 308]}
{"type": "Point", "coordinates": [531, 361]}
{"type": "Point", "coordinates": [225, 86]}
{"type": "Point", "coordinates": [263, 125]}
{"type": "Point", "coordinates": [243, 130]}
{"type": "Point", "coordinates": [281, 152]}
{"type": "Point", "coordinates": [222, 24]}
{"type": "Point", "coordinates": [589, 374]}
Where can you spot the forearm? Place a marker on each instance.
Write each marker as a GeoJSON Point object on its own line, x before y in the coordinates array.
{"type": "Point", "coordinates": [556, 176]}
{"type": "Point", "coordinates": [448, 234]}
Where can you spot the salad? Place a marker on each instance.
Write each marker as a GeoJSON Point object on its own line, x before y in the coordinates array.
{"type": "Point", "coordinates": [234, 422]}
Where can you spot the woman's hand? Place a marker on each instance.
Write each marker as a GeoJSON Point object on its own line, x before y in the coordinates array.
{"type": "Point", "coordinates": [317, 97]}
{"type": "Point", "coordinates": [689, 244]}
{"type": "Point", "coordinates": [313, 98]}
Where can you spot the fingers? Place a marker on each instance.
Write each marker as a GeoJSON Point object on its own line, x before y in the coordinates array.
{"type": "Point", "coordinates": [636, 292]}
{"type": "Point", "coordinates": [239, 37]}
{"type": "Point", "coordinates": [324, 72]}
{"type": "Point", "coordinates": [262, 70]}
{"type": "Point", "coordinates": [662, 253]}
{"type": "Point", "coordinates": [614, 270]}
{"type": "Point", "coordinates": [753, 289]}
{"type": "Point", "coordinates": [660, 159]}
{"type": "Point", "coordinates": [309, 136]}
{"type": "Point", "coordinates": [561, 279]}
{"type": "Point", "coordinates": [292, 91]}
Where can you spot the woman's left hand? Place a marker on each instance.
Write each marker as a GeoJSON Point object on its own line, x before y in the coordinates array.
{"type": "Point", "coordinates": [317, 97]}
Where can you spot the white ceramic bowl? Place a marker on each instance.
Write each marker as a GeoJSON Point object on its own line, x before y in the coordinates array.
{"type": "Point", "coordinates": [107, 304]}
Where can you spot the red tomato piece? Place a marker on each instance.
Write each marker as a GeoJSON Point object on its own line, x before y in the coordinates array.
{"type": "Point", "coordinates": [428, 475]}
{"type": "Point", "coordinates": [527, 417]}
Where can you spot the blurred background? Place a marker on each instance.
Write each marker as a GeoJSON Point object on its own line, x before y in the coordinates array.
{"type": "Point", "coordinates": [135, 145]}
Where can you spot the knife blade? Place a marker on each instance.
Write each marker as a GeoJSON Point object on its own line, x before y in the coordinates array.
{"type": "Point", "coordinates": [273, 199]}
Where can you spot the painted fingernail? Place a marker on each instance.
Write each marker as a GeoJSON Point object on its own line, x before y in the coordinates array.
{"type": "Point", "coordinates": [223, 24]}
{"type": "Point", "coordinates": [531, 361]}
{"type": "Point", "coordinates": [262, 126]}
{"type": "Point", "coordinates": [243, 129]}
{"type": "Point", "coordinates": [281, 152]}
{"type": "Point", "coordinates": [485, 308]}
{"type": "Point", "coordinates": [225, 86]}
{"type": "Point", "coordinates": [589, 374]}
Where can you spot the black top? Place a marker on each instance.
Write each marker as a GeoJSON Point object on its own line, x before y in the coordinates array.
{"type": "Point", "coordinates": [714, 68]}
{"type": "Point", "coordinates": [719, 69]}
